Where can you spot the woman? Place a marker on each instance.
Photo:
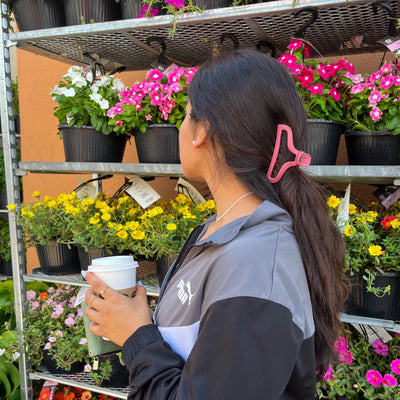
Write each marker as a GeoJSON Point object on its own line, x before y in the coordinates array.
{"type": "Point", "coordinates": [250, 308]}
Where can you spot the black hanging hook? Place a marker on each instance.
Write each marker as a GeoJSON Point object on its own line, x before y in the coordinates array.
{"type": "Point", "coordinates": [161, 58]}
{"type": "Point", "coordinates": [99, 178]}
{"type": "Point", "coordinates": [94, 66]}
{"type": "Point", "coordinates": [392, 15]}
{"type": "Point", "coordinates": [313, 12]}
{"type": "Point", "coordinates": [268, 45]}
{"type": "Point", "coordinates": [117, 70]}
{"type": "Point", "coordinates": [231, 37]}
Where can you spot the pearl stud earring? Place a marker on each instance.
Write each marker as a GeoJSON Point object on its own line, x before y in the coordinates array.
{"type": "Point", "coordinates": [193, 141]}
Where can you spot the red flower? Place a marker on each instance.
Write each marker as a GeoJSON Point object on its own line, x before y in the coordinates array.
{"type": "Point", "coordinates": [43, 296]}
{"type": "Point", "coordinates": [387, 220]}
{"type": "Point", "coordinates": [44, 394]}
{"type": "Point", "coordinates": [306, 77]}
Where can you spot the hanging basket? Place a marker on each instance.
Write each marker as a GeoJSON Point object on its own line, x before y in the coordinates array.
{"type": "Point", "coordinates": [58, 259]}
{"type": "Point", "coordinates": [78, 12]}
{"type": "Point", "coordinates": [366, 304]}
{"type": "Point", "coordinates": [163, 264]}
{"type": "Point", "coordinates": [38, 14]}
{"type": "Point", "coordinates": [372, 148]}
{"type": "Point", "coordinates": [85, 144]}
{"type": "Point", "coordinates": [159, 144]}
{"type": "Point", "coordinates": [323, 141]}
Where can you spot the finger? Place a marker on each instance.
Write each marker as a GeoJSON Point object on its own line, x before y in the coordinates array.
{"type": "Point", "coordinates": [140, 291]}
{"type": "Point", "coordinates": [97, 284]}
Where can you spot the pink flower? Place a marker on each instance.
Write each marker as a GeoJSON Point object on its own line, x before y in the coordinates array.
{"type": "Point", "coordinates": [69, 321]}
{"type": "Point", "coordinates": [119, 123]}
{"type": "Point", "coordinates": [175, 75]}
{"type": "Point", "coordinates": [334, 93]}
{"type": "Point", "coordinates": [148, 117]}
{"type": "Point", "coordinates": [395, 366]}
{"type": "Point", "coordinates": [176, 87]}
{"type": "Point", "coordinates": [358, 88]}
{"type": "Point", "coordinates": [143, 12]}
{"type": "Point", "coordinates": [375, 114]}
{"type": "Point", "coordinates": [356, 78]}
{"type": "Point", "coordinates": [329, 374]}
{"type": "Point", "coordinates": [375, 97]}
{"type": "Point", "coordinates": [288, 59]}
{"type": "Point", "coordinates": [177, 4]}
{"type": "Point", "coordinates": [396, 80]}
{"type": "Point", "coordinates": [30, 294]}
{"type": "Point", "coordinates": [316, 89]}
{"type": "Point", "coordinates": [346, 357]}
{"type": "Point", "coordinates": [52, 339]}
{"type": "Point", "coordinates": [380, 348]}
{"type": "Point", "coordinates": [296, 69]}
{"type": "Point", "coordinates": [349, 66]}
{"type": "Point", "coordinates": [386, 69]}
{"type": "Point", "coordinates": [154, 74]}
{"type": "Point", "coordinates": [87, 368]}
{"type": "Point", "coordinates": [374, 377]}
{"type": "Point", "coordinates": [386, 82]}
{"type": "Point", "coordinates": [83, 341]}
{"type": "Point", "coordinates": [324, 71]}
{"type": "Point", "coordinates": [340, 344]}
{"type": "Point", "coordinates": [375, 76]}
{"type": "Point", "coordinates": [47, 346]}
{"type": "Point", "coordinates": [295, 44]}
{"type": "Point", "coordinates": [306, 77]}
{"type": "Point", "coordinates": [114, 111]}
{"type": "Point", "coordinates": [156, 98]}
{"type": "Point", "coordinates": [189, 74]}
{"type": "Point", "coordinates": [389, 380]}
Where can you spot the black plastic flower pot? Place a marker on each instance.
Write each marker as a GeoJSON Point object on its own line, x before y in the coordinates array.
{"type": "Point", "coordinates": [163, 264]}
{"type": "Point", "coordinates": [372, 148]}
{"type": "Point", "coordinates": [131, 8]}
{"type": "Point", "coordinates": [323, 141]}
{"type": "Point", "coordinates": [85, 144]}
{"type": "Point", "coordinates": [79, 12]}
{"type": "Point", "coordinates": [3, 205]}
{"type": "Point", "coordinates": [366, 304]}
{"type": "Point", "coordinates": [119, 375]}
{"type": "Point", "coordinates": [86, 257]}
{"type": "Point", "coordinates": [58, 259]}
{"type": "Point", "coordinates": [210, 4]}
{"type": "Point", "coordinates": [159, 144]}
{"type": "Point", "coordinates": [5, 267]}
{"type": "Point", "coordinates": [50, 365]}
{"type": "Point", "coordinates": [38, 14]}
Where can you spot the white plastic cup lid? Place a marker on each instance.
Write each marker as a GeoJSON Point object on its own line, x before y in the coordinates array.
{"type": "Point", "coordinates": [113, 261]}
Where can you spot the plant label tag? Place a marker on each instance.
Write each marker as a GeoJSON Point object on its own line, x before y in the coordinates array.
{"type": "Point", "coordinates": [391, 199]}
{"type": "Point", "coordinates": [189, 190]}
{"type": "Point", "coordinates": [392, 43]}
{"type": "Point", "coordinates": [170, 69]}
{"type": "Point", "coordinates": [85, 189]}
{"type": "Point", "coordinates": [142, 192]}
{"type": "Point", "coordinates": [373, 333]}
{"type": "Point", "coordinates": [343, 209]}
{"type": "Point", "coordinates": [80, 297]}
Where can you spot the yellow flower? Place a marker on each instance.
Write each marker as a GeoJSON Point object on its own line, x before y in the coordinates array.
{"type": "Point", "coordinates": [371, 216]}
{"type": "Point", "coordinates": [375, 250]}
{"type": "Point", "coordinates": [395, 223]}
{"type": "Point", "coordinates": [333, 201]}
{"type": "Point", "coordinates": [30, 214]}
{"type": "Point", "coordinates": [181, 198]}
{"type": "Point", "coordinates": [36, 193]}
{"type": "Point", "coordinates": [94, 221]}
{"type": "Point", "coordinates": [111, 225]}
{"type": "Point", "coordinates": [155, 211]}
{"type": "Point", "coordinates": [46, 199]}
{"type": "Point", "coordinates": [118, 227]}
{"type": "Point", "coordinates": [122, 234]}
{"type": "Point", "coordinates": [11, 207]}
{"type": "Point", "coordinates": [349, 230]}
{"type": "Point", "coordinates": [51, 204]}
{"type": "Point", "coordinates": [210, 204]}
{"type": "Point", "coordinates": [352, 209]}
{"type": "Point", "coordinates": [171, 226]}
{"type": "Point", "coordinates": [201, 207]}
{"type": "Point", "coordinates": [106, 217]}
{"type": "Point", "coordinates": [138, 235]}
{"type": "Point", "coordinates": [133, 225]}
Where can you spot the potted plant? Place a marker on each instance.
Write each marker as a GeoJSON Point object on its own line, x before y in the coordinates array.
{"type": "Point", "coordinates": [55, 333]}
{"type": "Point", "coordinates": [154, 110]}
{"type": "Point", "coordinates": [45, 223]}
{"type": "Point", "coordinates": [372, 239]}
{"type": "Point", "coordinates": [167, 226]}
{"type": "Point", "coordinates": [373, 115]}
{"type": "Point", "coordinates": [84, 96]}
{"type": "Point", "coordinates": [323, 87]}
{"type": "Point", "coordinates": [364, 370]}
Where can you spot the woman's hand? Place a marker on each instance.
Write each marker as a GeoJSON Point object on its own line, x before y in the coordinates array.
{"type": "Point", "coordinates": [115, 316]}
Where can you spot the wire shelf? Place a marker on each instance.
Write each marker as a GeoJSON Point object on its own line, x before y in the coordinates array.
{"type": "Point", "coordinates": [123, 43]}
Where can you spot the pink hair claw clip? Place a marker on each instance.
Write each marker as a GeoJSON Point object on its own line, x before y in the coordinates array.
{"type": "Point", "coordinates": [301, 159]}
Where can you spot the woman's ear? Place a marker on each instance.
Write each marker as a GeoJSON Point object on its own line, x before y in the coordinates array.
{"type": "Point", "coordinates": [200, 138]}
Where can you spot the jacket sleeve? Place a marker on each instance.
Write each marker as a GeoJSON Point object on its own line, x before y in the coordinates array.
{"type": "Point", "coordinates": [247, 348]}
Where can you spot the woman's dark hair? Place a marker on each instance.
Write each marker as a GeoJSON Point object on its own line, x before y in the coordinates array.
{"type": "Point", "coordinates": [243, 96]}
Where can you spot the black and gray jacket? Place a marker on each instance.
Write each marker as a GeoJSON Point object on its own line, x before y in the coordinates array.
{"type": "Point", "coordinates": [234, 320]}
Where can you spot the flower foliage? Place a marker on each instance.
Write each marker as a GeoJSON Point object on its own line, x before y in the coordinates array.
{"type": "Point", "coordinates": [374, 104]}
{"type": "Point", "coordinates": [372, 239]}
{"type": "Point", "coordinates": [55, 325]}
{"type": "Point", "coordinates": [323, 86]}
{"type": "Point", "coordinates": [84, 98]}
{"type": "Point", "coordinates": [157, 99]}
{"type": "Point", "coordinates": [364, 371]}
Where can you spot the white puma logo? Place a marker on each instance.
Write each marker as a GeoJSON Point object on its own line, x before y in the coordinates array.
{"type": "Point", "coordinates": [184, 292]}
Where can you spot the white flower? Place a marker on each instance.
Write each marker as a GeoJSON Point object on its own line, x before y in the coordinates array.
{"type": "Point", "coordinates": [15, 355]}
{"type": "Point", "coordinates": [78, 81]}
{"type": "Point", "coordinates": [95, 97]}
{"type": "Point", "coordinates": [89, 76]}
{"type": "Point", "coordinates": [68, 117]}
{"type": "Point", "coordinates": [104, 104]}
{"type": "Point", "coordinates": [2, 351]}
{"type": "Point", "coordinates": [74, 70]}
{"type": "Point", "coordinates": [87, 368]}
{"type": "Point", "coordinates": [118, 85]}
{"type": "Point", "coordinates": [67, 92]}
{"type": "Point", "coordinates": [103, 81]}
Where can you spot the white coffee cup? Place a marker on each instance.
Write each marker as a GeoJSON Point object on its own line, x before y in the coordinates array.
{"type": "Point", "coordinates": [117, 272]}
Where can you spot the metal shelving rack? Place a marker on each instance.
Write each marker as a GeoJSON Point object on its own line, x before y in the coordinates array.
{"type": "Point", "coordinates": [124, 44]}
